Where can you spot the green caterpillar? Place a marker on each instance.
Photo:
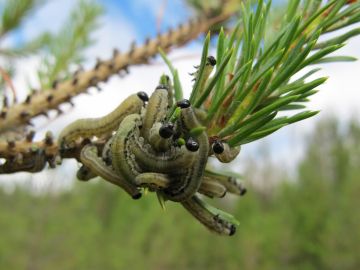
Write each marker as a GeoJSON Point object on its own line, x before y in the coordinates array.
{"type": "Point", "coordinates": [215, 220]}
{"type": "Point", "coordinates": [89, 157]}
{"type": "Point", "coordinates": [188, 181]}
{"type": "Point", "coordinates": [87, 128]}
{"type": "Point", "coordinates": [159, 181]}
{"type": "Point", "coordinates": [212, 188]}
{"type": "Point", "coordinates": [166, 162]}
{"type": "Point", "coordinates": [229, 153]}
{"type": "Point", "coordinates": [231, 184]}
{"type": "Point", "coordinates": [156, 110]}
{"type": "Point", "coordinates": [154, 181]}
{"type": "Point", "coordinates": [123, 160]}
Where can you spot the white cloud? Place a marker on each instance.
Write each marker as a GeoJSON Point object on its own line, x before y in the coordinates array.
{"type": "Point", "coordinates": [50, 17]}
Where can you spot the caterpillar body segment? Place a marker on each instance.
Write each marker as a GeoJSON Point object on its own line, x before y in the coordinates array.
{"type": "Point", "coordinates": [89, 157]}
{"type": "Point", "coordinates": [163, 162]}
{"type": "Point", "coordinates": [106, 152]}
{"type": "Point", "coordinates": [229, 153]}
{"type": "Point", "coordinates": [166, 81]}
{"type": "Point", "coordinates": [123, 159]}
{"type": "Point", "coordinates": [156, 110]}
{"type": "Point", "coordinates": [160, 181]}
{"type": "Point", "coordinates": [212, 188]}
{"type": "Point", "coordinates": [232, 184]}
{"type": "Point", "coordinates": [103, 126]}
{"type": "Point", "coordinates": [204, 213]}
{"type": "Point", "coordinates": [154, 181]}
{"type": "Point", "coordinates": [188, 182]}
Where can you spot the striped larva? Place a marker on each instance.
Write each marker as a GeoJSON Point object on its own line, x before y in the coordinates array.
{"type": "Point", "coordinates": [152, 180]}
{"type": "Point", "coordinates": [149, 160]}
{"type": "Point", "coordinates": [159, 181]}
{"type": "Point", "coordinates": [212, 188]}
{"type": "Point", "coordinates": [166, 162]}
{"type": "Point", "coordinates": [89, 157]}
{"type": "Point", "coordinates": [189, 180]}
{"type": "Point", "coordinates": [156, 110]}
{"type": "Point", "coordinates": [106, 152]}
{"type": "Point", "coordinates": [122, 157]}
{"type": "Point", "coordinates": [231, 184]}
{"type": "Point", "coordinates": [209, 66]}
{"type": "Point", "coordinates": [165, 80]}
{"type": "Point", "coordinates": [215, 220]}
{"type": "Point", "coordinates": [228, 153]}
{"type": "Point", "coordinates": [87, 128]}
{"type": "Point", "coordinates": [201, 115]}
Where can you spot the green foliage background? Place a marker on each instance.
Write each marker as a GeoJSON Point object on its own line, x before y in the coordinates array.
{"type": "Point", "coordinates": [310, 221]}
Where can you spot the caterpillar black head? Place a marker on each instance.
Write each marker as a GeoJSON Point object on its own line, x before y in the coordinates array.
{"type": "Point", "coordinates": [218, 147]}
{"type": "Point", "coordinates": [183, 103]}
{"type": "Point", "coordinates": [166, 130]}
{"type": "Point", "coordinates": [232, 229]}
{"type": "Point", "coordinates": [143, 96]}
{"type": "Point", "coordinates": [211, 60]}
{"type": "Point", "coordinates": [137, 196]}
{"type": "Point", "coordinates": [192, 145]}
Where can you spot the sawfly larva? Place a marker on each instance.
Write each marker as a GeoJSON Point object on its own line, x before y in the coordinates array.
{"type": "Point", "coordinates": [214, 219]}
{"type": "Point", "coordinates": [159, 181]}
{"type": "Point", "coordinates": [87, 128]}
{"type": "Point", "coordinates": [212, 188]}
{"type": "Point", "coordinates": [165, 162]}
{"type": "Point", "coordinates": [159, 135]}
{"type": "Point", "coordinates": [231, 184]}
{"type": "Point", "coordinates": [106, 152]}
{"type": "Point", "coordinates": [228, 154]}
{"type": "Point", "coordinates": [165, 80]}
{"type": "Point", "coordinates": [188, 181]}
{"type": "Point", "coordinates": [89, 157]}
{"type": "Point", "coordinates": [123, 160]}
{"type": "Point", "coordinates": [156, 110]}
{"type": "Point", "coordinates": [154, 181]}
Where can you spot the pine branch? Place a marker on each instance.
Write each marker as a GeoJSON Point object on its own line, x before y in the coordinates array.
{"type": "Point", "coordinates": [40, 102]}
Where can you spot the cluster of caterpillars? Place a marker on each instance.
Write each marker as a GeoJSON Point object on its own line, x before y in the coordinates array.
{"type": "Point", "coordinates": [160, 145]}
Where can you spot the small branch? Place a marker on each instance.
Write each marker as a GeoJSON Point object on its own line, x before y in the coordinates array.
{"type": "Point", "coordinates": [42, 101]}
{"type": "Point", "coordinates": [29, 156]}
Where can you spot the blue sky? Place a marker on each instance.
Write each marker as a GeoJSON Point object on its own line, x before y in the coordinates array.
{"type": "Point", "coordinates": [143, 13]}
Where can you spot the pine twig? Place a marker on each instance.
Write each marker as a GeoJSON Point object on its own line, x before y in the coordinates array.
{"type": "Point", "coordinates": [42, 101]}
